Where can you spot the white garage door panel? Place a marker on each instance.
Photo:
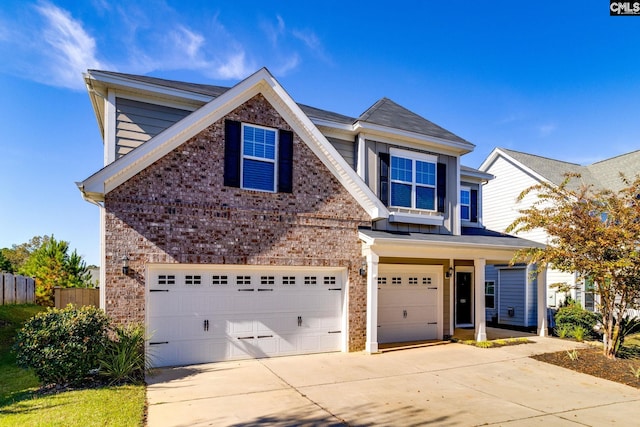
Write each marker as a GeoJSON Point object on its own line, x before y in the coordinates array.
{"type": "Point", "coordinates": [408, 303]}
{"type": "Point", "coordinates": [215, 315]}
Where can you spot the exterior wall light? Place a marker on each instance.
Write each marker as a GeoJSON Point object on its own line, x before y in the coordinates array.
{"type": "Point", "coordinates": [363, 267]}
{"type": "Point", "coordinates": [449, 273]}
{"type": "Point", "coordinates": [125, 265]}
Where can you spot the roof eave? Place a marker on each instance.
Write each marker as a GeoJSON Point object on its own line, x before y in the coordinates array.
{"type": "Point", "coordinates": [455, 147]}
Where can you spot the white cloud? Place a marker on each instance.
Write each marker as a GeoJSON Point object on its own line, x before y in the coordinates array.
{"type": "Point", "coordinates": [69, 49]}
{"type": "Point", "coordinates": [235, 67]}
{"type": "Point", "coordinates": [290, 63]}
{"type": "Point", "coordinates": [309, 38]}
{"type": "Point", "coordinates": [188, 41]}
{"type": "Point", "coordinates": [547, 129]}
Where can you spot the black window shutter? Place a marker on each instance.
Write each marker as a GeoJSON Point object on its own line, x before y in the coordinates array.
{"type": "Point", "coordinates": [474, 205]}
{"type": "Point", "coordinates": [232, 156]}
{"type": "Point", "coordinates": [384, 178]}
{"type": "Point", "coordinates": [285, 161]}
{"type": "Point", "coordinates": [441, 190]}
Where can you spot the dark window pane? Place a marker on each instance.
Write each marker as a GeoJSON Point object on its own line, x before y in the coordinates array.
{"type": "Point", "coordinates": [425, 198]}
{"type": "Point", "coordinates": [400, 195]}
{"type": "Point", "coordinates": [257, 175]}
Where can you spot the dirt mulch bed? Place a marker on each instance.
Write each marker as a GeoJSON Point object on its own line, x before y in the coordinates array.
{"type": "Point", "coordinates": [591, 361]}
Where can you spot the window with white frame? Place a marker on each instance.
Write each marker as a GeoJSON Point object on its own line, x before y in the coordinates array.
{"type": "Point", "coordinates": [413, 180]}
{"type": "Point", "coordinates": [490, 294]}
{"type": "Point", "coordinates": [259, 158]}
{"type": "Point", "coordinates": [465, 204]}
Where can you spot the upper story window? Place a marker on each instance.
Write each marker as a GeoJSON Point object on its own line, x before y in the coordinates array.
{"type": "Point", "coordinates": [465, 204]}
{"type": "Point", "coordinates": [413, 180]}
{"type": "Point", "coordinates": [259, 167]}
{"type": "Point", "coordinates": [258, 157]}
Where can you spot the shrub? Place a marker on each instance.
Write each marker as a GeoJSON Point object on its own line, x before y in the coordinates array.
{"type": "Point", "coordinates": [62, 346]}
{"type": "Point", "coordinates": [578, 333]}
{"type": "Point", "coordinates": [123, 359]}
{"type": "Point", "coordinates": [573, 316]}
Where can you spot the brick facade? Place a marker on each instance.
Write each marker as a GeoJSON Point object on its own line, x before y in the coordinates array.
{"type": "Point", "coordinates": [178, 211]}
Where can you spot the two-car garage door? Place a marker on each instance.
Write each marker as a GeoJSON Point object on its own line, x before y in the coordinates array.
{"type": "Point", "coordinates": [199, 315]}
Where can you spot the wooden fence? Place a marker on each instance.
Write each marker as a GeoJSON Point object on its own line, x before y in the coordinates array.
{"type": "Point", "coordinates": [76, 296]}
{"type": "Point", "coordinates": [17, 289]}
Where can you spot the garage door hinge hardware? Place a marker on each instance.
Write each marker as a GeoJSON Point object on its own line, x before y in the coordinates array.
{"type": "Point", "coordinates": [404, 313]}
{"type": "Point", "coordinates": [246, 338]}
{"type": "Point", "coordinates": [206, 325]}
{"type": "Point", "coordinates": [435, 287]}
{"type": "Point", "coordinates": [245, 290]}
{"type": "Point", "coordinates": [334, 332]}
{"type": "Point", "coordinates": [432, 323]}
{"type": "Point", "coordinates": [265, 289]}
{"type": "Point", "coordinates": [299, 320]}
{"type": "Point", "coordinates": [335, 289]}
{"type": "Point", "coordinates": [158, 290]}
{"type": "Point", "coordinates": [159, 342]}
{"type": "Point", "coordinates": [265, 336]}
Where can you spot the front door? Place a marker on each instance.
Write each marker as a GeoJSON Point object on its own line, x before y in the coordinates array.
{"type": "Point", "coordinates": [464, 292]}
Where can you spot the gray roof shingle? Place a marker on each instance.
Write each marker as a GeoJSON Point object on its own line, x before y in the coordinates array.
{"type": "Point", "coordinates": [603, 174]}
{"type": "Point", "coordinates": [480, 237]}
{"type": "Point", "coordinates": [385, 112]}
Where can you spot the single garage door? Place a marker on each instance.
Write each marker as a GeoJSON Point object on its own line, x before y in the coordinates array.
{"type": "Point", "coordinates": [198, 315]}
{"type": "Point", "coordinates": [409, 303]}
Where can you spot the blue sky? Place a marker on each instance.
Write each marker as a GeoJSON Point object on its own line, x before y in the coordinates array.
{"type": "Point", "coordinates": [556, 79]}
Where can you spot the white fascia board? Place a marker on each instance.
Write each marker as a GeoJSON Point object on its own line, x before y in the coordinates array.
{"type": "Point", "coordinates": [122, 82]}
{"type": "Point", "coordinates": [428, 249]}
{"type": "Point", "coordinates": [393, 134]}
{"type": "Point", "coordinates": [342, 127]}
{"type": "Point", "coordinates": [497, 152]}
{"type": "Point", "coordinates": [263, 82]}
{"type": "Point", "coordinates": [477, 176]}
{"type": "Point", "coordinates": [97, 101]}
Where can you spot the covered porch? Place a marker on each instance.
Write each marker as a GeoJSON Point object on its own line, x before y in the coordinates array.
{"type": "Point", "coordinates": [455, 258]}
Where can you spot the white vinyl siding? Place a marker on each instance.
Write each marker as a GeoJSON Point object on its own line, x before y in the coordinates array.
{"type": "Point", "coordinates": [500, 208]}
{"type": "Point", "coordinates": [500, 198]}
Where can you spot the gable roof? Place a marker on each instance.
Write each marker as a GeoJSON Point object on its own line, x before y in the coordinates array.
{"type": "Point", "coordinates": [603, 174]}
{"type": "Point", "coordinates": [385, 112]}
{"type": "Point", "coordinates": [262, 82]}
{"type": "Point", "coordinates": [608, 171]}
{"type": "Point", "coordinates": [384, 117]}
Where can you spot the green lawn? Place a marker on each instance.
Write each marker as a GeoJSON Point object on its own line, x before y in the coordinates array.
{"type": "Point", "coordinates": [19, 406]}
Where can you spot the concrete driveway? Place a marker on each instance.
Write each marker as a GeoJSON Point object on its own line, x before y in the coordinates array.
{"type": "Point", "coordinates": [448, 385]}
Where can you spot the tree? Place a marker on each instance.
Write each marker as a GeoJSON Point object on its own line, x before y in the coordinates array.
{"type": "Point", "coordinates": [18, 255]}
{"type": "Point", "coordinates": [52, 266]}
{"type": "Point", "coordinates": [5, 264]}
{"type": "Point", "coordinates": [595, 233]}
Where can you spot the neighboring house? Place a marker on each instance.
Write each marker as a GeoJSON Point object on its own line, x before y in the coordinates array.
{"type": "Point", "coordinates": [237, 223]}
{"type": "Point", "coordinates": [514, 172]}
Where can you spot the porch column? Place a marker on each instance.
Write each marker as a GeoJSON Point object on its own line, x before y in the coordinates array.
{"type": "Point", "coordinates": [479, 305]}
{"type": "Point", "coordinates": [543, 325]}
{"type": "Point", "coordinates": [371, 345]}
